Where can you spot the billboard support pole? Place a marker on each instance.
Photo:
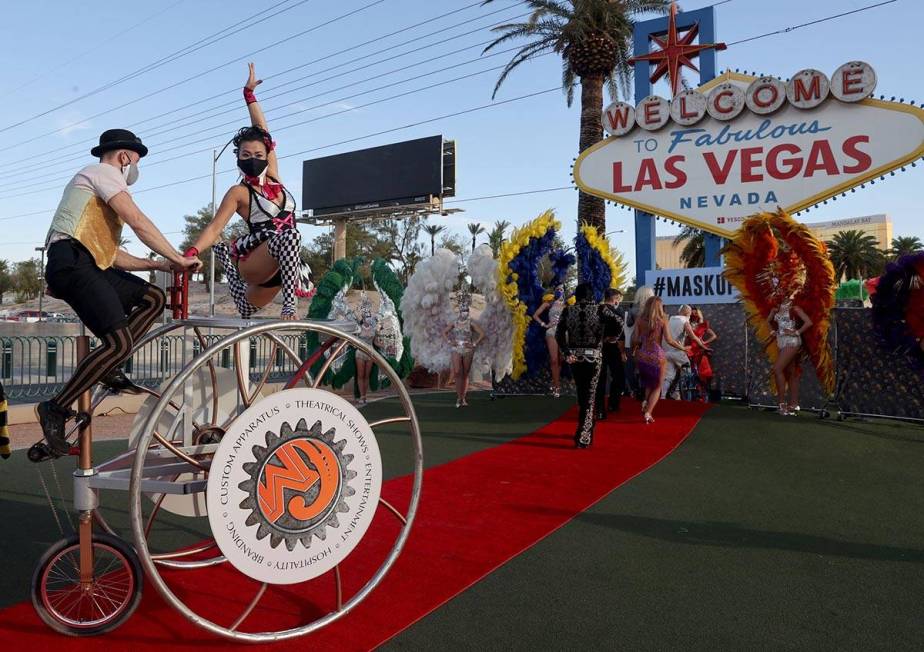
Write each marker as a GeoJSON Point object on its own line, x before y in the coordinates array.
{"type": "Point", "coordinates": [339, 239]}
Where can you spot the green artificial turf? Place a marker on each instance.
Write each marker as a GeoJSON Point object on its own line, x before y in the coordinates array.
{"type": "Point", "coordinates": [758, 533]}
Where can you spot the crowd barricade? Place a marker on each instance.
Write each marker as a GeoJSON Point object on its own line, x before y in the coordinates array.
{"type": "Point", "coordinates": [35, 367]}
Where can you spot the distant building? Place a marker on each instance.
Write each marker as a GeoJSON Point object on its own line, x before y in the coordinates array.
{"type": "Point", "coordinates": [879, 226]}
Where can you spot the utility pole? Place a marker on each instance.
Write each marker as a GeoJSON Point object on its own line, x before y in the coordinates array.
{"type": "Point", "coordinates": [215, 156]}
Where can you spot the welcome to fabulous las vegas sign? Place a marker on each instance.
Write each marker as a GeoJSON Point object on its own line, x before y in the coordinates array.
{"type": "Point", "coordinates": [739, 144]}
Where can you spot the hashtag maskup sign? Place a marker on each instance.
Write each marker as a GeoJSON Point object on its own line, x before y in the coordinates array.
{"type": "Point", "coordinates": [698, 286]}
{"type": "Point", "coordinates": [739, 144]}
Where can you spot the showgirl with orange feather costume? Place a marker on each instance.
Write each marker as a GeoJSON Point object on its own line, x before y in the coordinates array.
{"type": "Point", "coordinates": [779, 268]}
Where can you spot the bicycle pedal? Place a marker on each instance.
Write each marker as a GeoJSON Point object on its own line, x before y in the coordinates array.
{"type": "Point", "coordinates": [39, 452]}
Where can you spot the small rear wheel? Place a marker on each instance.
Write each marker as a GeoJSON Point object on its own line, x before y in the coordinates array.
{"type": "Point", "coordinates": [84, 609]}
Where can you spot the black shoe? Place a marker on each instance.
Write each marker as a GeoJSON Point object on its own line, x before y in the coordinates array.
{"type": "Point", "coordinates": [580, 444]}
{"type": "Point", "coordinates": [118, 383]}
{"type": "Point", "coordinates": [52, 417]}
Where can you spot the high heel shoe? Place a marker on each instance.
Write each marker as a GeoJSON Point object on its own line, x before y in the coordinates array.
{"type": "Point", "coordinates": [648, 419]}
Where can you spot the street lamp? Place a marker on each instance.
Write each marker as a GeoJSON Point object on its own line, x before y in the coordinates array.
{"type": "Point", "coordinates": [215, 156]}
{"type": "Point", "coordinates": [42, 279]}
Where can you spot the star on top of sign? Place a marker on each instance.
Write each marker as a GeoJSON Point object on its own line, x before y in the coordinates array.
{"type": "Point", "coordinates": [676, 51]}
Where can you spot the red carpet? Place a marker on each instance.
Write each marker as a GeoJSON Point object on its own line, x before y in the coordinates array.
{"type": "Point", "coordinates": [476, 513]}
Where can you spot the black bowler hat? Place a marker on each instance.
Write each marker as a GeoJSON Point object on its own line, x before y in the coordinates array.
{"type": "Point", "coordinates": [113, 139]}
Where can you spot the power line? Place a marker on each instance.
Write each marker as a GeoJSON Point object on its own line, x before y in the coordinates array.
{"type": "Point", "coordinates": [186, 142]}
{"type": "Point", "coordinates": [163, 61]}
{"type": "Point", "coordinates": [64, 163]}
{"type": "Point", "coordinates": [57, 152]}
{"type": "Point", "coordinates": [328, 146]}
{"type": "Point", "coordinates": [510, 194]}
{"type": "Point", "coordinates": [372, 135]}
{"type": "Point", "coordinates": [70, 60]}
{"type": "Point", "coordinates": [813, 22]}
{"type": "Point", "coordinates": [213, 69]}
{"type": "Point", "coordinates": [321, 117]}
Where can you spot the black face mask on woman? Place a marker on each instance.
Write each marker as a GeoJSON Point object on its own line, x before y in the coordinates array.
{"type": "Point", "coordinates": [252, 167]}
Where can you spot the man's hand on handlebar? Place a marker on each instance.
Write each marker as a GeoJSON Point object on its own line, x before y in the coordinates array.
{"type": "Point", "coordinates": [190, 261]}
{"type": "Point", "coordinates": [186, 264]}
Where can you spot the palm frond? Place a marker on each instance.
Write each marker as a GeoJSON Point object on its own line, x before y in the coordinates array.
{"type": "Point", "coordinates": [568, 80]}
{"type": "Point", "coordinates": [526, 53]}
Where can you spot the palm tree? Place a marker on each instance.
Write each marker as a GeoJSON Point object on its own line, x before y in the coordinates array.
{"type": "Point", "coordinates": [475, 229]}
{"type": "Point", "coordinates": [433, 230]}
{"type": "Point", "coordinates": [594, 40]}
{"type": "Point", "coordinates": [496, 236]}
{"type": "Point", "coordinates": [855, 255]}
{"type": "Point", "coordinates": [904, 245]}
{"type": "Point", "coordinates": [6, 279]}
{"type": "Point", "coordinates": [410, 265]}
{"type": "Point", "coordinates": [694, 251]}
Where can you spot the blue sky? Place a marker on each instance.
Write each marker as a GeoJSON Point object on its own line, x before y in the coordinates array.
{"type": "Point", "coordinates": [520, 146]}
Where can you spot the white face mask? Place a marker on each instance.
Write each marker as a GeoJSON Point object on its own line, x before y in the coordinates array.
{"type": "Point", "coordinates": [130, 173]}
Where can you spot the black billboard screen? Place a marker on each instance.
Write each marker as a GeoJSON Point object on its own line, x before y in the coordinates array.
{"type": "Point", "coordinates": [411, 170]}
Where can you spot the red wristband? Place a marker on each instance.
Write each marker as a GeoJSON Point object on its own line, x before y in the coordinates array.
{"type": "Point", "coordinates": [192, 251]}
{"type": "Point", "coordinates": [249, 97]}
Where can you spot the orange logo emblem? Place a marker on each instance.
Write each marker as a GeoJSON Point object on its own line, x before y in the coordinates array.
{"type": "Point", "coordinates": [309, 468]}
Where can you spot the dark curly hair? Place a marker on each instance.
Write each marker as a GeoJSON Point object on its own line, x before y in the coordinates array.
{"type": "Point", "coordinates": [250, 134]}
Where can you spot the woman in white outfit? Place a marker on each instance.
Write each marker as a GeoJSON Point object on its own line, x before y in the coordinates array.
{"type": "Point", "coordinates": [459, 336]}
{"type": "Point", "coordinates": [786, 369]}
{"type": "Point", "coordinates": [553, 304]}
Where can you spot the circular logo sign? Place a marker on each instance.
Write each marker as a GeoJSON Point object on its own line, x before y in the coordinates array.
{"type": "Point", "coordinates": [725, 102]}
{"type": "Point", "coordinates": [652, 113]}
{"type": "Point", "coordinates": [688, 107]}
{"type": "Point", "coordinates": [618, 118]}
{"type": "Point", "coordinates": [765, 95]}
{"type": "Point", "coordinates": [293, 486]}
{"type": "Point", "coordinates": [807, 89]}
{"type": "Point", "coordinates": [853, 82]}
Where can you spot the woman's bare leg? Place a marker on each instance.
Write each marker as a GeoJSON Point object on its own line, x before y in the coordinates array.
{"type": "Point", "coordinates": [362, 376]}
{"type": "Point", "coordinates": [783, 360]}
{"type": "Point", "coordinates": [655, 394]}
{"type": "Point", "coordinates": [466, 364]}
{"type": "Point", "coordinates": [794, 376]}
{"type": "Point", "coordinates": [456, 375]}
{"type": "Point", "coordinates": [554, 362]}
{"type": "Point", "coordinates": [258, 267]}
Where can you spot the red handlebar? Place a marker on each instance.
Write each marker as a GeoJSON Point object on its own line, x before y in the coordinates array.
{"type": "Point", "coordinates": [179, 295]}
{"type": "Point", "coordinates": [179, 291]}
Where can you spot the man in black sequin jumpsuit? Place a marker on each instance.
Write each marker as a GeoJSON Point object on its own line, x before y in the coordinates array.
{"type": "Point", "coordinates": [580, 339]}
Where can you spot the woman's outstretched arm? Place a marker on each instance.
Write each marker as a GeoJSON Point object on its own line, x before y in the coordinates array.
{"type": "Point", "coordinates": [257, 119]}
{"type": "Point", "coordinates": [212, 233]}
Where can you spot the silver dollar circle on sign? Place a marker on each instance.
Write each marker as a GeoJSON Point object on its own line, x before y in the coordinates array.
{"type": "Point", "coordinates": [293, 486]}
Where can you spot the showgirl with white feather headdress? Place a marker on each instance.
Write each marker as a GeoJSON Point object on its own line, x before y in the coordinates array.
{"type": "Point", "coordinates": [427, 309]}
{"type": "Point", "coordinates": [496, 350]}
{"type": "Point", "coordinates": [464, 336]}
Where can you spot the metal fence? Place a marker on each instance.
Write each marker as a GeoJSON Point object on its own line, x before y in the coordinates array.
{"type": "Point", "coordinates": [33, 368]}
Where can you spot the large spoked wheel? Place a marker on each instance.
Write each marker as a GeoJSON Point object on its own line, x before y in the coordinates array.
{"type": "Point", "coordinates": [177, 445]}
{"type": "Point", "coordinates": [92, 605]}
